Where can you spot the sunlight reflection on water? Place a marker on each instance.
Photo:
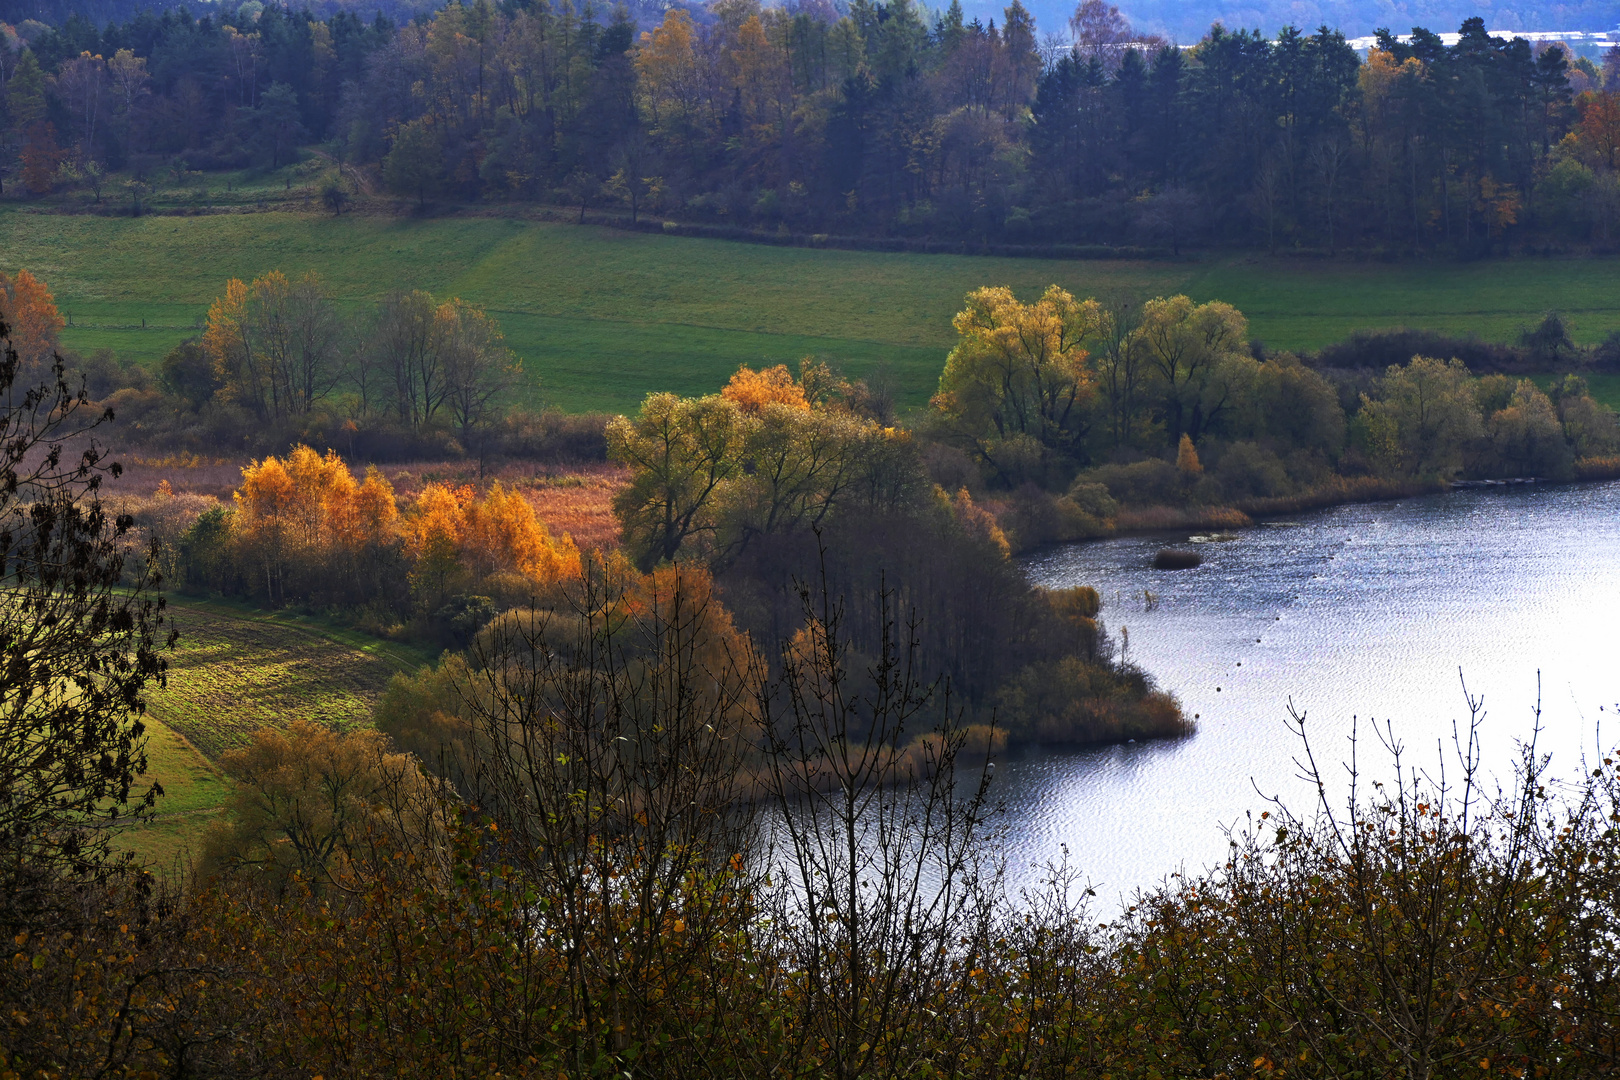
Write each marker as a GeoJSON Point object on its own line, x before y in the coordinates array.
{"type": "Point", "coordinates": [1359, 611]}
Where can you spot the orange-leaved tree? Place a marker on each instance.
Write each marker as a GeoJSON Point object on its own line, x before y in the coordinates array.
{"type": "Point", "coordinates": [458, 539]}
{"type": "Point", "coordinates": [502, 534]}
{"type": "Point", "coordinates": [753, 390]}
{"type": "Point", "coordinates": [30, 310]}
{"type": "Point", "coordinates": [299, 516]}
{"type": "Point", "coordinates": [433, 540]}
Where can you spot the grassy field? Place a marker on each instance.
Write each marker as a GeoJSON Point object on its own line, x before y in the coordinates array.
{"type": "Point", "coordinates": [603, 316]}
{"type": "Point", "coordinates": [235, 671]}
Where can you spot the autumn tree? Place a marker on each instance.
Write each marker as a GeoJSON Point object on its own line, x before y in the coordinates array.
{"type": "Point", "coordinates": [82, 82]}
{"type": "Point", "coordinates": [802, 466]}
{"type": "Point", "coordinates": [458, 539]}
{"type": "Point", "coordinates": [1526, 437]}
{"type": "Point", "coordinates": [1423, 418]}
{"type": "Point", "coordinates": [613, 745]}
{"type": "Point", "coordinates": [680, 452]}
{"type": "Point", "coordinates": [1198, 355]}
{"type": "Point", "coordinates": [275, 344]}
{"type": "Point", "coordinates": [305, 515]}
{"type": "Point", "coordinates": [34, 322]}
{"type": "Point", "coordinates": [405, 353]}
{"type": "Point", "coordinates": [753, 390]}
{"type": "Point", "coordinates": [1018, 376]}
{"type": "Point", "coordinates": [501, 533]}
{"type": "Point", "coordinates": [433, 530]}
{"type": "Point", "coordinates": [310, 802]}
{"type": "Point", "coordinates": [478, 367]}
{"type": "Point", "coordinates": [427, 359]}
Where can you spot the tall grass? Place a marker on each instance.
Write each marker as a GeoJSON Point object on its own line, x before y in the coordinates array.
{"type": "Point", "coordinates": [1340, 490]}
{"type": "Point", "coordinates": [1166, 518]}
{"type": "Point", "coordinates": [1598, 468]}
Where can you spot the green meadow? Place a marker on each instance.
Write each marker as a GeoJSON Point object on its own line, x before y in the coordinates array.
{"type": "Point", "coordinates": [235, 671]}
{"type": "Point", "coordinates": [602, 316]}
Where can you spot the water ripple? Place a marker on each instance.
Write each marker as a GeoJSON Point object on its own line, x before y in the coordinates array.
{"type": "Point", "coordinates": [1358, 611]}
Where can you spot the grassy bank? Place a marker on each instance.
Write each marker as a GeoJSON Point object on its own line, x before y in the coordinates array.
{"type": "Point", "coordinates": [237, 670]}
{"type": "Point", "coordinates": [603, 316]}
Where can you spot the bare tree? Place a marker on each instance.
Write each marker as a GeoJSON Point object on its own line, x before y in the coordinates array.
{"type": "Point", "coordinates": [884, 895]}
{"type": "Point", "coordinates": [406, 347]}
{"type": "Point", "coordinates": [612, 746]}
{"type": "Point", "coordinates": [78, 651]}
{"type": "Point", "coordinates": [478, 368]}
{"type": "Point", "coordinates": [83, 82]}
{"type": "Point", "coordinates": [1328, 156]}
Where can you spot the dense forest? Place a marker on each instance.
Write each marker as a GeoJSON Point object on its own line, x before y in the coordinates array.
{"type": "Point", "coordinates": [804, 120]}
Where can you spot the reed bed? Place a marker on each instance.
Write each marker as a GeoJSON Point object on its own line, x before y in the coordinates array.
{"type": "Point", "coordinates": [1341, 490]}
{"type": "Point", "coordinates": [1598, 468]}
{"type": "Point", "coordinates": [1164, 518]}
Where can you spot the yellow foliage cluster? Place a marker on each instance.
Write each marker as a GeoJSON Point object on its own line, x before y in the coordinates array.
{"type": "Point", "coordinates": [498, 533]}
{"type": "Point", "coordinates": [753, 390]}
{"type": "Point", "coordinates": [310, 501]}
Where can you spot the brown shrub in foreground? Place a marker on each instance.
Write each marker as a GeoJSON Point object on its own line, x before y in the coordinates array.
{"type": "Point", "coordinates": [1423, 930]}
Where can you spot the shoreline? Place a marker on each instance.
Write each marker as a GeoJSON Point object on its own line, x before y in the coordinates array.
{"type": "Point", "coordinates": [1250, 513]}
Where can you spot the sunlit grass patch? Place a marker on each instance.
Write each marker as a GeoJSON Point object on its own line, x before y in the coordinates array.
{"type": "Point", "coordinates": [236, 672]}
{"type": "Point", "coordinates": [194, 791]}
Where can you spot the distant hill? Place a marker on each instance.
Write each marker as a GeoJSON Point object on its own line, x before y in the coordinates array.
{"type": "Point", "coordinates": [102, 12]}
{"type": "Point", "coordinates": [1182, 21]}
{"type": "Point", "coordinates": [1186, 22]}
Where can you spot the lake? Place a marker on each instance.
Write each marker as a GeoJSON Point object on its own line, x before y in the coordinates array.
{"type": "Point", "coordinates": [1364, 611]}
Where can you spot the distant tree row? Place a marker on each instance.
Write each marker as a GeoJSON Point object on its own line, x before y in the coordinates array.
{"type": "Point", "coordinates": [1169, 404]}
{"type": "Point", "coordinates": [870, 122]}
{"type": "Point", "coordinates": [278, 362]}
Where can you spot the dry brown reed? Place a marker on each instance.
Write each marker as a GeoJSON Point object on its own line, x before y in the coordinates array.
{"type": "Point", "coordinates": [1161, 518]}
{"type": "Point", "coordinates": [1341, 490]}
{"type": "Point", "coordinates": [186, 474]}
{"type": "Point", "coordinates": [1598, 468]}
{"type": "Point", "coordinates": [575, 499]}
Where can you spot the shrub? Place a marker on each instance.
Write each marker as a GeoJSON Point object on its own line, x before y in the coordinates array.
{"type": "Point", "coordinates": [554, 436]}
{"type": "Point", "coordinates": [1246, 470]}
{"type": "Point", "coordinates": [1073, 701]}
{"type": "Point", "coordinates": [1093, 498]}
{"type": "Point", "coordinates": [1177, 559]}
{"type": "Point", "coordinates": [1379, 350]}
{"type": "Point", "coordinates": [1033, 518]}
{"type": "Point", "coordinates": [1142, 483]}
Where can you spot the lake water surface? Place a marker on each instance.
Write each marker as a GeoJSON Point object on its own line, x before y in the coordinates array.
{"type": "Point", "coordinates": [1362, 611]}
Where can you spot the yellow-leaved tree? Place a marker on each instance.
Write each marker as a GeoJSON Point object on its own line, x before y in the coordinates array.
{"type": "Point", "coordinates": [1198, 359]}
{"type": "Point", "coordinates": [1017, 382]}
